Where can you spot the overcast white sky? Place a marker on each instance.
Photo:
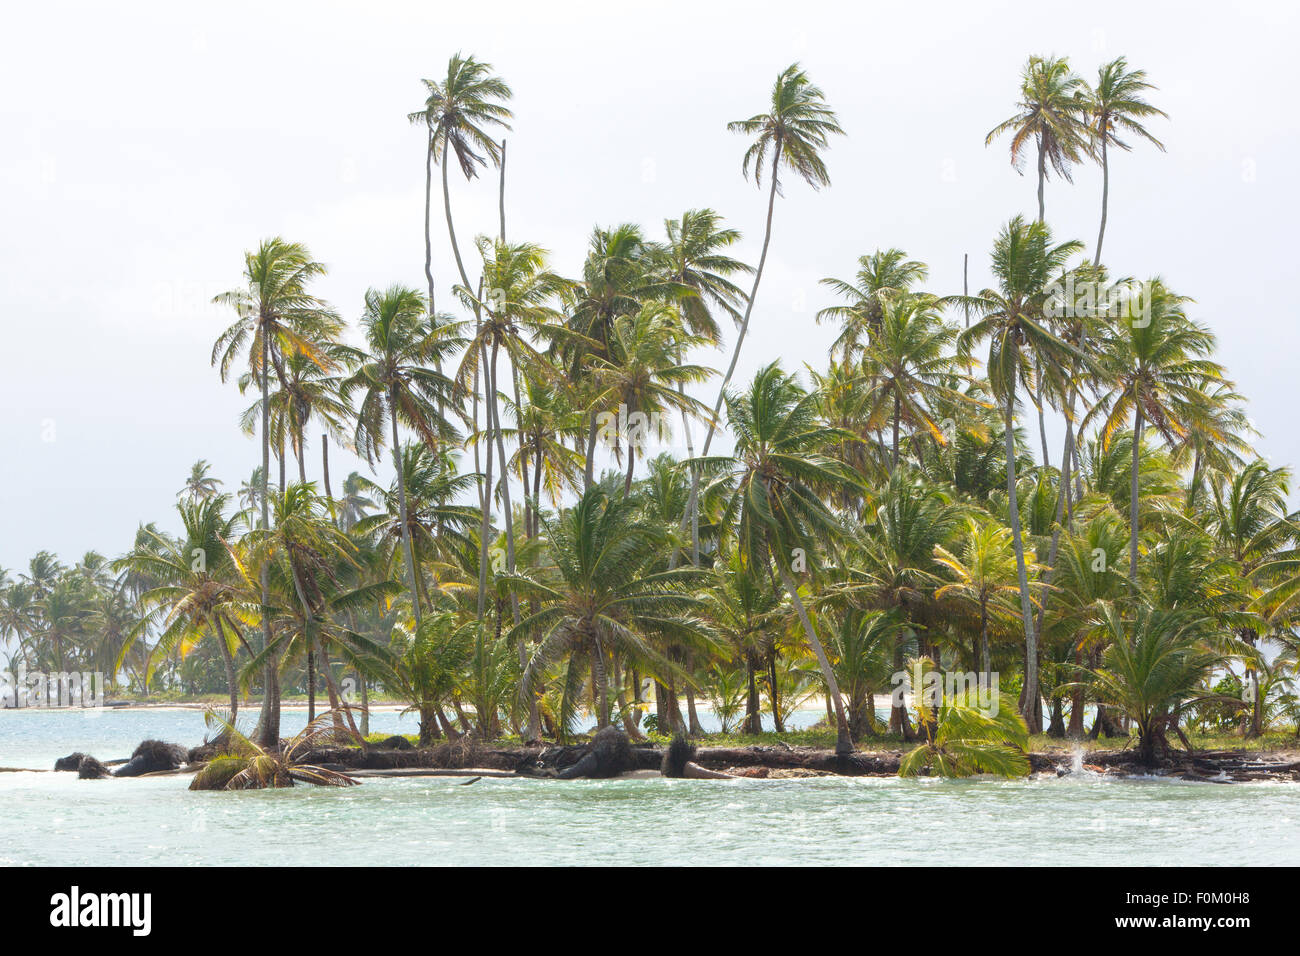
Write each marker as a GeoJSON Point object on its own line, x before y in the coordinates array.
{"type": "Point", "coordinates": [144, 147]}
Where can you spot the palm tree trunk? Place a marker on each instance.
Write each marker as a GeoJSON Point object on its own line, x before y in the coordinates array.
{"type": "Point", "coordinates": [690, 453]}
{"type": "Point", "coordinates": [365, 705]}
{"type": "Point", "coordinates": [489, 387]}
{"type": "Point", "coordinates": [600, 688]}
{"type": "Point", "coordinates": [843, 744]}
{"type": "Point", "coordinates": [753, 709]}
{"type": "Point", "coordinates": [590, 463]}
{"type": "Point", "coordinates": [631, 464]}
{"type": "Point", "coordinates": [1105, 195]}
{"type": "Point", "coordinates": [774, 691]}
{"type": "Point", "coordinates": [300, 450]}
{"type": "Point", "coordinates": [986, 666]}
{"type": "Point", "coordinates": [537, 493]}
{"type": "Point", "coordinates": [428, 236]}
{"type": "Point", "coordinates": [749, 305]}
{"type": "Point", "coordinates": [267, 733]}
{"type": "Point", "coordinates": [487, 486]}
{"type": "Point", "coordinates": [1030, 707]}
{"type": "Point", "coordinates": [401, 507]}
{"type": "Point", "coordinates": [232, 681]}
{"type": "Point", "coordinates": [311, 684]}
{"type": "Point", "coordinates": [1042, 420]}
{"type": "Point", "coordinates": [501, 196]}
{"type": "Point", "coordinates": [693, 726]}
{"type": "Point", "coordinates": [495, 407]}
{"type": "Point", "coordinates": [325, 473]}
{"type": "Point", "coordinates": [1062, 506]}
{"type": "Point", "coordinates": [898, 413]}
{"type": "Point", "coordinates": [1133, 494]}
{"type": "Point", "coordinates": [1042, 177]}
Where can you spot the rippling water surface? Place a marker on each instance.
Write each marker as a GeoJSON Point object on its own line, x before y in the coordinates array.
{"type": "Point", "coordinates": [48, 818]}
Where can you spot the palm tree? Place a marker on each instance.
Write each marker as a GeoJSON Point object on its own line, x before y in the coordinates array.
{"type": "Point", "coordinates": [983, 574]}
{"type": "Point", "coordinates": [882, 274]}
{"type": "Point", "coordinates": [245, 765]}
{"type": "Point", "coordinates": [694, 258]}
{"type": "Point", "coordinates": [1249, 520]}
{"type": "Point", "coordinates": [1156, 371]}
{"type": "Point", "coordinates": [545, 426]}
{"type": "Point", "coordinates": [277, 316]}
{"type": "Point", "coordinates": [744, 615]}
{"type": "Point", "coordinates": [909, 364]}
{"type": "Point", "coordinates": [356, 499]}
{"type": "Point", "coordinates": [1024, 261]}
{"type": "Point", "coordinates": [1051, 113]}
{"type": "Point", "coordinates": [965, 739]}
{"type": "Point", "coordinates": [643, 376]}
{"type": "Point", "coordinates": [311, 392]}
{"type": "Point", "coordinates": [200, 486]}
{"type": "Point", "coordinates": [607, 601]}
{"type": "Point", "coordinates": [1155, 664]}
{"type": "Point", "coordinates": [307, 555]}
{"type": "Point", "coordinates": [1115, 104]}
{"type": "Point", "coordinates": [195, 590]}
{"type": "Point", "coordinates": [863, 643]}
{"type": "Point", "coordinates": [457, 113]}
{"type": "Point", "coordinates": [435, 526]}
{"type": "Point", "coordinates": [428, 665]}
{"type": "Point", "coordinates": [774, 484]}
{"type": "Point", "coordinates": [892, 560]}
{"type": "Point", "coordinates": [398, 387]}
{"type": "Point", "coordinates": [514, 306]}
{"type": "Point", "coordinates": [795, 129]}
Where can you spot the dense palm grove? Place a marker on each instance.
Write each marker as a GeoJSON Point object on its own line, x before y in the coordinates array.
{"type": "Point", "coordinates": [900, 506]}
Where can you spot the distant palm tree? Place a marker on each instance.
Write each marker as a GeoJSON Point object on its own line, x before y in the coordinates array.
{"type": "Point", "coordinates": [310, 393]}
{"type": "Point", "coordinates": [882, 274]}
{"type": "Point", "coordinates": [1052, 114]}
{"type": "Point", "coordinates": [359, 494]}
{"type": "Point", "coordinates": [1249, 521]}
{"type": "Point", "coordinates": [745, 615]}
{"type": "Point", "coordinates": [200, 486]}
{"type": "Point", "coordinates": [277, 316]}
{"type": "Point", "coordinates": [545, 426]}
{"type": "Point", "coordinates": [795, 129]}
{"type": "Point", "coordinates": [195, 591]}
{"type": "Point", "coordinates": [863, 646]}
{"type": "Point", "coordinates": [306, 554]}
{"type": "Point", "coordinates": [1116, 105]}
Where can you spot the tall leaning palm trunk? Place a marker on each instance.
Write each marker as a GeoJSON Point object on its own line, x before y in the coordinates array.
{"type": "Point", "coordinates": [428, 232]}
{"type": "Point", "coordinates": [843, 743]}
{"type": "Point", "coordinates": [749, 304]}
